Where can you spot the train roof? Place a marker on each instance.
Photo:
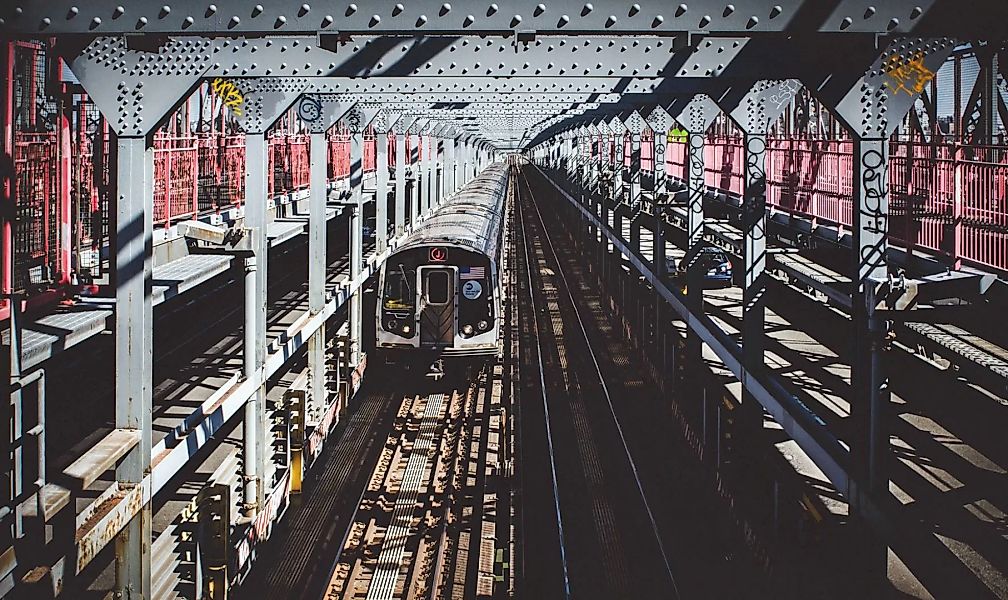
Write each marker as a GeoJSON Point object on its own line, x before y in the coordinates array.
{"type": "Point", "coordinates": [472, 217]}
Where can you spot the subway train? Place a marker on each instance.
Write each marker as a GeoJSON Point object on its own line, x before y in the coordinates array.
{"type": "Point", "coordinates": [440, 293]}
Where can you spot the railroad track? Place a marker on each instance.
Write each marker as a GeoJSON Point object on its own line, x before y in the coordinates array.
{"type": "Point", "coordinates": [296, 565]}
{"type": "Point", "coordinates": [411, 531]}
{"type": "Point", "coordinates": [592, 476]}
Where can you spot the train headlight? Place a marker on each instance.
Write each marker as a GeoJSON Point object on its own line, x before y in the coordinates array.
{"type": "Point", "coordinates": [392, 325]}
{"type": "Point", "coordinates": [483, 325]}
{"type": "Point", "coordinates": [467, 329]}
{"type": "Point", "coordinates": [406, 329]}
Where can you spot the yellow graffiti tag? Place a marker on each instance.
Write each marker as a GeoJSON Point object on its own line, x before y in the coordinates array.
{"type": "Point", "coordinates": [230, 94]}
{"type": "Point", "coordinates": [677, 135]}
{"type": "Point", "coordinates": [910, 77]}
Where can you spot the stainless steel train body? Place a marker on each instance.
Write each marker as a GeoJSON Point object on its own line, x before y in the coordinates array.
{"type": "Point", "coordinates": [440, 289]}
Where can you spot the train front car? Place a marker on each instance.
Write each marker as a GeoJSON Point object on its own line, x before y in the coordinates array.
{"type": "Point", "coordinates": [440, 289]}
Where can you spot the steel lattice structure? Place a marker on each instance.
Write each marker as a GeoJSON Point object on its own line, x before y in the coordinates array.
{"type": "Point", "coordinates": [550, 78]}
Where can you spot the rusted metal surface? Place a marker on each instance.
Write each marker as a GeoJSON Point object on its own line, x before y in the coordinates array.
{"type": "Point", "coordinates": [107, 518]}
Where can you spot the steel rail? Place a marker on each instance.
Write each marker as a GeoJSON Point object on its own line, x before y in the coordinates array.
{"type": "Point", "coordinates": [542, 387]}
{"type": "Point", "coordinates": [605, 390]}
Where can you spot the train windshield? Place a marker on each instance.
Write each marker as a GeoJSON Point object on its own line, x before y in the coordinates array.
{"type": "Point", "coordinates": [399, 282]}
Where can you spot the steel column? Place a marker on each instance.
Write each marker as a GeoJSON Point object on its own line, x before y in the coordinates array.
{"type": "Point", "coordinates": [400, 183]}
{"type": "Point", "coordinates": [659, 140]}
{"type": "Point", "coordinates": [356, 241]}
{"type": "Point", "coordinates": [381, 193]}
{"type": "Point", "coordinates": [635, 190]}
{"type": "Point", "coordinates": [694, 285]}
{"type": "Point", "coordinates": [134, 244]}
{"type": "Point", "coordinates": [869, 383]}
{"type": "Point", "coordinates": [441, 172]}
{"type": "Point", "coordinates": [695, 189]}
{"type": "Point", "coordinates": [618, 168]}
{"type": "Point", "coordinates": [256, 189]}
{"type": "Point", "coordinates": [356, 267]}
{"type": "Point", "coordinates": [416, 154]}
{"type": "Point", "coordinates": [251, 410]}
{"type": "Point", "coordinates": [430, 174]}
{"type": "Point", "coordinates": [754, 247]}
{"type": "Point", "coordinates": [452, 178]}
{"type": "Point", "coordinates": [317, 269]}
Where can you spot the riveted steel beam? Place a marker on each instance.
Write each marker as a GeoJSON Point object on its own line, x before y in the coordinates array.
{"type": "Point", "coordinates": [438, 56]}
{"type": "Point", "coordinates": [607, 17]}
{"type": "Point", "coordinates": [872, 102]}
{"type": "Point", "coordinates": [136, 90]}
{"type": "Point", "coordinates": [754, 112]}
{"type": "Point", "coordinates": [319, 112]}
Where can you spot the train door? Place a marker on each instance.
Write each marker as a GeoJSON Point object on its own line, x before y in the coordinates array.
{"type": "Point", "coordinates": [437, 306]}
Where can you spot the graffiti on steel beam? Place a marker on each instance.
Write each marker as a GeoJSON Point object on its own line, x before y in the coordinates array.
{"type": "Point", "coordinates": [696, 184]}
{"type": "Point", "coordinates": [910, 77]}
{"type": "Point", "coordinates": [786, 91]}
{"type": "Point", "coordinates": [873, 209]}
{"type": "Point", "coordinates": [755, 185]}
{"type": "Point", "coordinates": [677, 135]}
{"type": "Point", "coordinates": [310, 109]}
{"type": "Point", "coordinates": [229, 93]}
{"type": "Point", "coordinates": [353, 120]}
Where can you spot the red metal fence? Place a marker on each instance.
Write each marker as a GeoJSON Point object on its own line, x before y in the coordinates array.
{"type": "Point", "coordinates": [949, 199]}
{"type": "Point", "coordinates": [36, 237]}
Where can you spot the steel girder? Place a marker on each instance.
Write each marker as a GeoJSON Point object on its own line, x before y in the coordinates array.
{"type": "Point", "coordinates": [525, 18]}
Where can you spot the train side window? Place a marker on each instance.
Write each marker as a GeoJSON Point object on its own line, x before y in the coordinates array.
{"type": "Point", "coordinates": [438, 287]}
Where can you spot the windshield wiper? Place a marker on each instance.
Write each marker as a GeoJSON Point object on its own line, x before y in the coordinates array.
{"type": "Point", "coordinates": [402, 271]}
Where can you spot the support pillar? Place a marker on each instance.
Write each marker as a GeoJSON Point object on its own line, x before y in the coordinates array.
{"type": "Point", "coordinates": [451, 179]}
{"type": "Point", "coordinates": [254, 443]}
{"type": "Point", "coordinates": [317, 272]}
{"type": "Point", "coordinates": [416, 154]}
{"type": "Point", "coordinates": [635, 169]}
{"type": "Point", "coordinates": [635, 190]}
{"type": "Point", "coordinates": [381, 193]}
{"type": "Point", "coordinates": [356, 242]}
{"type": "Point", "coordinates": [869, 383]}
{"type": "Point", "coordinates": [356, 264]}
{"type": "Point", "coordinates": [658, 239]}
{"type": "Point", "coordinates": [694, 287]}
{"type": "Point", "coordinates": [434, 160]}
{"type": "Point", "coordinates": [400, 183]}
{"type": "Point", "coordinates": [134, 245]}
{"type": "Point", "coordinates": [872, 103]}
{"type": "Point", "coordinates": [754, 292]}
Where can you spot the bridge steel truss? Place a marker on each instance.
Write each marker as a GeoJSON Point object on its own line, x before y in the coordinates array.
{"type": "Point", "coordinates": [476, 79]}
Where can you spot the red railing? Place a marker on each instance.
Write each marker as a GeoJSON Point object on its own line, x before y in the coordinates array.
{"type": "Point", "coordinates": [36, 236]}
{"type": "Point", "coordinates": [370, 150]}
{"type": "Point", "coordinates": [948, 199]}
{"type": "Point", "coordinates": [198, 174]}
{"type": "Point", "coordinates": [221, 175]}
{"type": "Point", "coordinates": [289, 163]}
{"type": "Point", "coordinates": [339, 155]}
{"type": "Point", "coordinates": [176, 181]}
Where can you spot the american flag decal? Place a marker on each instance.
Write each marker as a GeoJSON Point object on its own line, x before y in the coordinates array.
{"type": "Point", "coordinates": [471, 273]}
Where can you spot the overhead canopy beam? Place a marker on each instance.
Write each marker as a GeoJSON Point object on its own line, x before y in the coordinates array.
{"type": "Point", "coordinates": [608, 17]}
